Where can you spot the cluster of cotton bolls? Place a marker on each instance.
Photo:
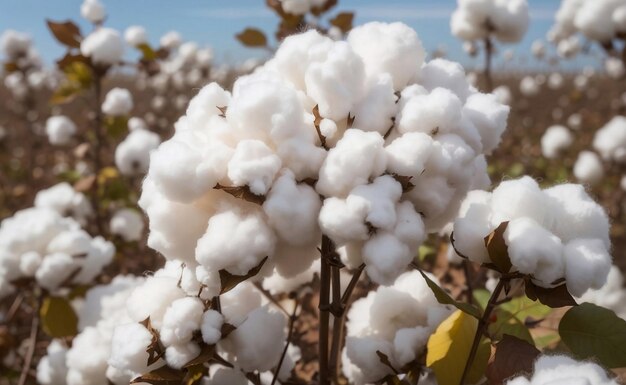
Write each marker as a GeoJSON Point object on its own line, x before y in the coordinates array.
{"type": "Point", "coordinates": [63, 199]}
{"type": "Point", "coordinates": [184, 323]}
{"type": "Point", "coordinates": [561, 370]}
{"type": "Point", "coordinates": [597, 20]}
{"type": "Point", "coordinates": [555, 140]}
{"type": "Point", "coordinates": [504, 20]}
{"type": "Point", "coordinates": [396, 320]}
{"type": "Point", "coordinates": [386, 121]}
{"type": "Point", "coordinates": [60, 129]}
{"type": "Point", "coordinates": [86, 361]}
{"type": "Point", "coordinates": [40, 243]}
{"type": "Point", "coordinates": [19, 52]}
{"type": "Point", "coordinates": [552, 234]}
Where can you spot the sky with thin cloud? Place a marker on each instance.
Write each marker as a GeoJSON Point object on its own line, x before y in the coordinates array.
{"type": "Point", "coordinates": [215, 22]}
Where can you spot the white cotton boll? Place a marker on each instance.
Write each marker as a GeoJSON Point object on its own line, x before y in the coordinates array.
{"type": "Point", "coordinates": [614, 67]}
{"type": "Point", "coordinates": [409, 227]}
{"type": "Point", "coordinates": [386, 257]}
{"type": "Point", "coordinates": [136, 123]}
{"type": "Point", "coordinates": [388, 48]}
{"type": "Point", "coordinates": [29, 263]}
{"type": "Point", "coordinates": [489, 116]}
{"type": "Point", "coordinates": [520, 198]}
{"type": "Point", "coordinates": [136, 35]}
{"type": "Point", "coordinates": [328, 128]}
{"type": "Point", "coordinates": [100, 254]}
{"type": "Point", "coordinates": [555, 140]}
{"type": "Point", "coordinates": [14, 43]}
{"type": "Point", "coordinates": [534, 250]}
{"type": "Point", "coordinates": [555, 81]}
{"type": "Point", "coordinates": [473, 225]}
{"type": "Point", "coordinates": [336, 83]}
{"type": "Point", "coordinates": [528, 86]}
{"type": "Point", "coordinates": [470, 48]}
{"type": "Point", "coordinates": [103, 46]}
{"type": "Point", "coordinates": [181, 319]}
{"type": "Point", "coordinates": [292, 210]}
{"type": "Point", "coordinates": [610, 140]}
{"type": "Point", "coordinates": [450, 157]}
{"type": "Point", "coordinates": [85, 363]}
{"type": "Point", "coordinates": [63, 199]}
{"type": "Point", "coordinates": [594, 20]}
{"type": "Point", "coordinates": [538, 49]}
{"type": "Point", "coordinates": [344, 220]}
{"type": "Point", "coordinates": [278, 284]}
{"type": "Point", "coordinates": [93, 10]}
{"type": "Point", "coordinates": [507, 21]}
{"type": "Point", "coordinates": [407, 155]}
{"type": "Point", "coordinates": [132, 155]}
{"type": "Point", "coordinates": [356, 158]}
{"type": "Point", "coordinates": [211, 326]}
{"type": "Point", "coordinates": [575, 121]}
{"type": "Point", "coordinates": [296, 7]}
{"type": "Point", "coordinates": [236, 242]}
{"type": "Point", "coordinates": [225, 376]}
{"type": "Point", "coordinates": [587, 265]}
{"type": "Point", "coordinates": [60, 129]}
{"type": "Point", "coordinates": [362, 354]}
{"type": "Point", "coordinates": [239, 302]}
{"type": "Point", "coordinates": [503, 95]}
{"type": "Point", "coordinates": [128, 224]}
{"type": "Point", "coordinates": [54, 270]}
{"type": "Point", "coordinates": [439, 111]}
{"type": "Point", "coordinates": [577, 215]}
{"type": "Point", "coordinates": [253, 164]}
{"type": "Point", "coordinates": [171, 40]}
{"type": "Point", "coordinates": [204, 106]}
{"type": "Point", "coordinates": [152, 299]}
{"type": "Point", "coordinates": [51, 369]}
{"type": "Point", "coordinates": [377, 109]}
{"type": "Point", "coordinates": [555, 369]}
{"type": "Point", "coordinates": [129, 346]}
{"type": "Point", "coordinates": [431, 196]}
{"type": "Point", "coordinates": [117, 102]}
{"type": "Point", "coordinates": [588, 168]}
{"type": "Point", "coordinates": [177, 356]}
{"type": "Point", "coordinates": [258, 342]}
{"type": "Point", "coordinates": [380, 198]}
{"type": "Point", "coordinates": [511, 20]}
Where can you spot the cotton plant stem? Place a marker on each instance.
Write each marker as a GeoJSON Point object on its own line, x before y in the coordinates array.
{"type": "Point", "coordinates": [324, 308]}
{"type": "Point", "coordinates": [34, 329]}
{"type": "Point", "coordinates": [488, 57]}
{"type": "Point", "coordinates": [97, 159]}
{"type": "Point", "coordinates": [468, 281]}
{"type": "Point", "coordinates": [292, 321]}
{"type": "Point", "coordinates": [483, 322]}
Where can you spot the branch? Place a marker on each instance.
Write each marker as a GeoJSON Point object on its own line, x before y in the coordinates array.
{"type": "Point", "coordinates": [292, 320]}
{"type": "Point", "coordinates": [34, 328]}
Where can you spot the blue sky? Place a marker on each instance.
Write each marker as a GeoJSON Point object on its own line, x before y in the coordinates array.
{"type": "Point", "coordinates": [215, 22]}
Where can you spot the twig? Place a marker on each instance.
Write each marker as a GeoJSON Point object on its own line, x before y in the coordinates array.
{"type": "Point", "coordinates": [324, 308]}
{"type": "Point", "coordinates": [14, 308]}
{"type": "Point", "coordinates": [34, 328]}
{"type": "Point", "coordinates": [488, 56]}
{"type": "Point", "coordinates": [97, 161]}
{"type": "Point", "coordinates": [292, 321]}
{"type": "Point", "coordinates": [468, 281]}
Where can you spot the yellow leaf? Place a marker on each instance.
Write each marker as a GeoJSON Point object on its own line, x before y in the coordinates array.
{"type": "Point", "coordinates": [449, 348]}
{"type": "Point", "coordinates": [58, 318]}
{"type": "Point", "coordinates": [107, 173]}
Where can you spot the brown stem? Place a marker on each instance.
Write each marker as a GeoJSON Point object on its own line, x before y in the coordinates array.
{"type": "Point", "coordinates": [468, 281]}
{"type": "Point", "coordinates": [483, 322]}
{"type": "Point", "coordinates": [488, 56]}
{"type": "Point", "coordinates": [34, 328]}
{"type": "Point", "coordinates": [97, 159]}
{"type": "Point", "coordinates": [292, 321]}
{"type": "Point", "coordinates": [324, 308]}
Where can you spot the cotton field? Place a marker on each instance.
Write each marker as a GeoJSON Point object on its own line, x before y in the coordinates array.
{"type": "Point", "coordinates": [324, 192]}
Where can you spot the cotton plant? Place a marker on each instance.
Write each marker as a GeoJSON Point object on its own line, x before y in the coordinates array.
{"type": "Point", "coordinates": [562, 369]}
{"type": "Point", "coordinates": [489, 21]}
{"type": "Point", "coordinates": [66, 201]}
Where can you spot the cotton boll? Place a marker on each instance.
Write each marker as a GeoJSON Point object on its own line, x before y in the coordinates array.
{"type": "Point", "coordinates": [538, 49]}
{"type": "Point", "coordinates": [14, 44]}
{"type": "Point", "coordinates": [177, 356]}
{"type": "Point", "coordinates": [528, 86]}
{"type": "Point", "coordinates": [63, 199]}
{"type": "Point", "coordinates": [555, 140]}
{"type": "Point", "coordinates": [534, 250]}
{"type": "Point", "coordinates": [385, 257]}
{"type": "Point", "coordinates": [211, 326]}
{"type": "Point", "coordinates": [278, 284]}
{"type": "Point", "coordinates": [378, 108]}
{"type": "Point", "coordinates": [357, 157]}
{"type": "Point", "coordinates": [205, 105]}
{"type": "Point", "coordinates": [473, 225]}
{"type": "Point", "coordinates": [588, 168]}
{"type": "Point", "coordinates": [117, 102]}
{"type": "Point", "coordinates": [362, 354]}
{"type": "Point", "coordinates": [408, 154]}
{"type": "Point", "coordinates": [235, 242]}
{"type": "Point", "coordinates": [614, 67]}
{"type": "Point", "coordinates": [555, 81]}
{"type": "Point", "coordinates": [93, 10]}
{"type": "Point", "coordinates": [136, 123]}
{"type": "Point", "coordinates": [611, 296]}
{"type": "Point", "coordinates": [60, 130]}
{"type": "Point", "coordinates": [51, 369]}
{"type": "Point", "coordinates": [344, 220]}
{"type": "Point", "coordinates": [557, 369]}
{"type": "Point", "coordinates": [439, 111]}
{"type": "Point", "coordinates": [136, 35]}
{"type": "Point", "coordinates": [255, 165]}
{"type": "Point", "coordinates": [610, 140]}
{"type": "Point", "coordinates": [103, 46]}
{"type": "Point", "coordinates": [431, 196]}
{"type": "Point", "coordinates": [489, 117]}
{"type": "Point", "coordinates": [152, 299]}
{"type": "Point", "coordinates": [54, 270]}
{"type": "Point", "coordinates": [380, 198]}
{"type": "Point", "coordinates": [29, 263]}
{"type": "Point", "coordinates": [181, 319]}
{"type": "Point", "coordinates": [171, 40]}
{"type": "Point", "coordinates": [503, 95]}
{"type": "Point", "coordinates": [224, 376]}
{"type": "Point", "coordinates": [587, 265]}
{"type": "Point", "coordinates": [254, 350]}
{"type": "Point", "coordinates": [409, 227]}
{"type": "Point", "coordinates": [520, 198]}
{"type": "Point", "coordinates": [388, 48]}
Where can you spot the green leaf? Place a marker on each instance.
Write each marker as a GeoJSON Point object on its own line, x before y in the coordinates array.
{"type": "Point", "coordinates": [481, 296]}
{"type": "Point", "coordinates": [547, 340]}
{"type": "Point", "coordinates": [67, 33]}
{"type": "Point", "coordinates": [512, 356]}
{"type": "Point", "coordinates": [593, 332]}
{"type": "Point", "coordinates": [58, 318]}
{"type": "Point", "coordinates": [524, 308]}
{"type": "Point", "coordinates": [229, 281]}
{"type": "Point", "coordinates": [343, 21]}
{"type": "Point", "coordinates": [444, 298]}
{"type": "Point", "coordinates": [497, 248]}
{"type": "Point", "coordinates": [116, 126]}
{"type": "Point", "coordinates": [252, 37]}
{"type": "Point", "coordinates": [507, 324]}
{"type": "Point", "coordinates": [449, 348]}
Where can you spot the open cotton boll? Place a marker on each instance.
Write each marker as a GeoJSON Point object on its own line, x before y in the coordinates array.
{"type": "Point", "coordinates": [528, 86]}
{"type": "Point", "coordinates": [132, 155]}
{"type": "Point", "coordinates": [205, 105]}
{"type": "Point", "coordinates": [211, 326]}
{"type": "Point", "coordinates": [136, 123]}
{"type": "Point", "coordinates": [473, 225]}
{"type": "Point", "coordinates": [614, 67]}
{"type": "Point", "coordinates": [503, 94]}
{"type": "Point", "coordinates": [385, 257]}
{"type": "Point", "coordinates": [128, 224]}
{"type": "Point", "coordinates": [135, 35]}
{"type": "Point", "coordinates": [520, 198]}
{"type": "Point", "coordinates": [63, 199]}
{"type": "Point", "coordinates": [254, 350]}
{"type": "Point", "coordinates": [152, 299]}
{"type": "Point", "coordinates": [344, 220]}
{"type": "Point", "coordinates": [610, 140]}
{"type": "Point", "coordinates": [438, 111]}
{"type": "Point", "coordinates": [223, 376]}
{"type": "Point", "coordinates": [14, 43]}
{"type": "Point", "coordinates": [93, 10]}
{"type": "Point", "coordinates": [587, 265]}
{"type": "Point", "coordinates": [555, 140]}
{"type": "Point", "coordinates": [103, 46]}
{"type": "Point", "coordinates": [87, 358]}
{"type": "Point", "coordinates": [558, 369]}
{"type": "Point", "coordinates": [171, 40]}
{"type": "Point", "coordinates": [588, 168]}
{"type": "Point", "coordinates": [489, 116]}
{"type": "Point", "coordinates": [129, 346]}
{"type": "Point", "coordinates": [60, 130]}
{"type": "Point", "coordinates": [117, 102]}
{"type": "Point", "coordinates": [388, 48]}
{"type": "Point", "coordinates": [407, 154]}
{"type": "Point", "coordinates": [236, 242]}
{"type": "Point", "coordinates": [54, 270]}
{"type": "Point", "coordinates": [442, 73]}
{"type": "Point", "coordinates": [505, 20]}
{"type": "Point", "coordinates": [255, 165]}
{"type": "Point", "coordinates": [51, 369]}
{"type": "Point", "coordinates": [377, 109]}
{"type": "Point", "coordinates": [181, 319]}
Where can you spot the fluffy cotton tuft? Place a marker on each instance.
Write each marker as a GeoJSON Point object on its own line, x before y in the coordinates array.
{"type": "Point", "coordinates": [117, 102]}
{"type": "Point", "coordinates": [505, 20]}
{"type": "Point", "coordinates": [136, 35]}
{"type": "Point", "coordinates": [132, 155]}
{"type": "Point", "coordinates": [104, 46]}
{"type": "Point", "coordinates": [93, 10]}
{"type": "Point", "coordinates": [555, 140]}
{"type": "Point", "coordinates": [60, 130]}
{"type": "Point", "coordinates": [128, 224]}
{"type": "Point", "coordinates": [562, 370]}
